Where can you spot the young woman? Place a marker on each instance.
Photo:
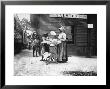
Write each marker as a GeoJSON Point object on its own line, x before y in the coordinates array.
{"type": "Point", "coordinates": [62, 49]}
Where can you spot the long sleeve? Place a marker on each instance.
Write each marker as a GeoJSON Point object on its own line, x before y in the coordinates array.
{"type": "Point", "coordinates": [62, 36]}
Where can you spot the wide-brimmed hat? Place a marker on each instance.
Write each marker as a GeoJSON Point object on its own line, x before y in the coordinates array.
{"type": "Point", "coordinates": [52, 33]}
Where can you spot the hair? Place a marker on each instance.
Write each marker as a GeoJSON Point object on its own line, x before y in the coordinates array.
{"type": "Point", "coordinates": [45, 35]}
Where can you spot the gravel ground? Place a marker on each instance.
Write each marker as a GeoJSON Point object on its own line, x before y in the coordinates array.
{"type": "Point", "coordinates": [26, 65]}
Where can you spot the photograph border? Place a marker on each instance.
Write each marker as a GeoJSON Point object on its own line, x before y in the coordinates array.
{"type": "Point", "coordinates": [4, 3]}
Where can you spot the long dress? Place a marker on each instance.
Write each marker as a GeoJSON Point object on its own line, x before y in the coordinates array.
{"type": "Point", "coordinates": [53, 49]}
{"type": "Point", "coordinates": [62, 48]}
{"type": "Point", "coordinates": [36, 47]}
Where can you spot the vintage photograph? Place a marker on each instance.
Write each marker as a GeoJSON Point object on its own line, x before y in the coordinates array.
{"type": "Point", "coordinates": [55, 44]}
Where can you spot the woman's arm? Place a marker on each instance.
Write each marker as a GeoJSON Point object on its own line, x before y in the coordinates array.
{"type": "Point", "coordinates": [62, 37]}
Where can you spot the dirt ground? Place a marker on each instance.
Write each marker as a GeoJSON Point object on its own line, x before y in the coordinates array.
{"type": "Point", "coordinates": [27, 65]}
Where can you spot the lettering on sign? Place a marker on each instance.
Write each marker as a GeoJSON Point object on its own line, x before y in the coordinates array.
{"type": "Point", "coordinates": [69, 16]}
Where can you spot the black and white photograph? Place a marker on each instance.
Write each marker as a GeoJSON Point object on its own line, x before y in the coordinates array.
{"type": "Point", "coordinates": [55, 44]}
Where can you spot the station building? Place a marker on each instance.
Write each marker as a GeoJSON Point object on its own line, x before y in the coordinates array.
{"type": "Point", "coordinates": [81, 31]}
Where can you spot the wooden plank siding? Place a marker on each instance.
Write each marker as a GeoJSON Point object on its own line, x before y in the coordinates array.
{"type": "Point", "coordinates": [84, 39]}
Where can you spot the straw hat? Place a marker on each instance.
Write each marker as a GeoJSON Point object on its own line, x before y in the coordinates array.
{"type": "Point", "coordinates": [52, 33]}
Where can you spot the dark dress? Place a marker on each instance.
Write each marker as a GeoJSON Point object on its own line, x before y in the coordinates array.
{"type": "Point", "coordinates": [53, 51]}
{"type": "Point", "coordinates": [36, 48]}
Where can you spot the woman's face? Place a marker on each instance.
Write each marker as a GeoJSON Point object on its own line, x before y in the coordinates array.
{"type": "Point", "coordinates": [61, 31]}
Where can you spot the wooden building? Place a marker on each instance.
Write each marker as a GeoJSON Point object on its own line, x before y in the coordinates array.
{"type": "Point", "coordinates": [81, 37]}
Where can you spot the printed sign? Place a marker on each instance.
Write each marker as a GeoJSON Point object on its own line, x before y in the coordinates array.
{"type": "Point", "coordinates": [90, 25]}
{"type": "Point", "coordinates": [69, 16]}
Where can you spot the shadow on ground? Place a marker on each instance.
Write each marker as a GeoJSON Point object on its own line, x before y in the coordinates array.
{"type": "Point", "coordinates": [79, 73]}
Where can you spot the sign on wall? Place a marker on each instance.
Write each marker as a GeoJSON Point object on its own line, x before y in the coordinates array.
{"type": "Point", "coordinates": [69, 16]}
{"type": "Point", "coordinates": [90, 25]}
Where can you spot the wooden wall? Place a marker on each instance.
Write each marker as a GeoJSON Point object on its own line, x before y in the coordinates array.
{"type": "Point", "coordinates": [85, 40]}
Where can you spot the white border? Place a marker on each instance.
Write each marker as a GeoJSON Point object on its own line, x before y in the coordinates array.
{"type": "Point", "coordinates": [100, 79]}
